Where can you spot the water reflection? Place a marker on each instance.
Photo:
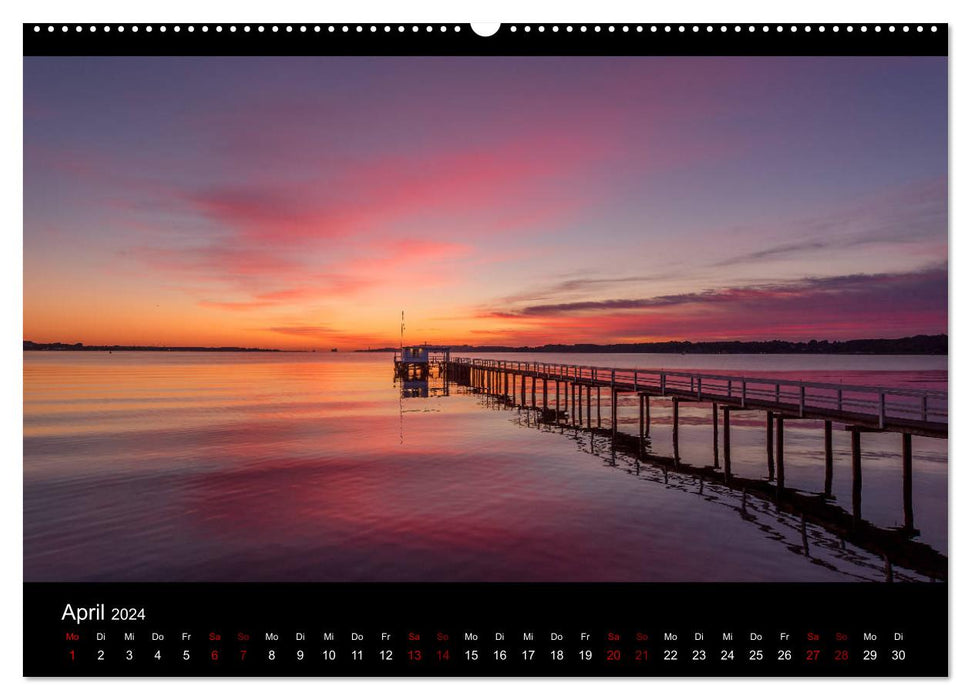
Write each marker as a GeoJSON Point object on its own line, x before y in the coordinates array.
{"type": "Point", "coordinates": [791, 530]}
{"type": "Point", "coordinates": [314, 467]}
{"type": "Point", "coordinates": [423, 383]}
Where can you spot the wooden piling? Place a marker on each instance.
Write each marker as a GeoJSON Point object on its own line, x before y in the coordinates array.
{"type": "Point", "coordinates": [828, 441]}
{"type": "Point", "coordinates": [589, 406]}
{"type": "Point", "coordinates": [599, 421]}
{"type": "Point", "coordinates": [769, 456]}
{"type": "Point", "coordinates": [908, 482]}
{"type": "Point", "coordinates": [545, 402]}
{"type": "Point", "coordinates": [857, 475]}
{"type": "Point", "coordinates": [674, 430]}
{"type": "Point", "coordinates": [728, 442]}
{"type": "Point", "coordinates": [780, 462]}
{"type": "Point", "coordinates": [573, 403]}
{"type": "Point", "coordinates": [714, 436]}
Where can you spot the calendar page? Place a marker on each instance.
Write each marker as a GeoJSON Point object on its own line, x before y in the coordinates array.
{"type": "Point", "coordinates": [453, 350]}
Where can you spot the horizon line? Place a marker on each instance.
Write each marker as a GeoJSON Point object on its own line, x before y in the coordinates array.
{"type": "Point", "coordinates": [506, 347]}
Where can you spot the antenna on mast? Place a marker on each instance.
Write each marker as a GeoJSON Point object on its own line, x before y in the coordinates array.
{"type": "Point", "coordinates": [402, 342]}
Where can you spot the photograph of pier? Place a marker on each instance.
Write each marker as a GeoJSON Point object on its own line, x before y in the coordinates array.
{"type": "Point", "coordinates": [485, 319]}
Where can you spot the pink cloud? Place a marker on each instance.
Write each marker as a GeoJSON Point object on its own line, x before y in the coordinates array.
{"type": "Point", "coordinates": [346, 235]}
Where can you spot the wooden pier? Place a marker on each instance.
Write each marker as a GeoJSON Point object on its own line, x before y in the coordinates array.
{"type": "Point", "coordinates": [572, 394]}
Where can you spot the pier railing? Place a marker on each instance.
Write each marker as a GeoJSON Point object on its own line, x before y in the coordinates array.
{"type": "Point", "coordinates": [881, 405]}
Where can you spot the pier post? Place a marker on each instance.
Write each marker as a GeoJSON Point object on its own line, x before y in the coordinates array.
{"type": "Point", "coordinates": [647, 415]}
{"type": "Point", "coordinates": [523, 388]}
{"type": "Point", "coordinates": [544, 395]}
{"type": "Point", "coordinates": [505, 383]}
{"type": "Point", "coordinates": [557, 387]}
{"type": "Point", "coordinates": [598, 407]}
{"type": "Point", "coordinates": [589, 406]}
{"type": "Point", "coordinates": [908, 483]}
{"type": "Point", "coordinates": [769, 456]}
{"type": "Point", "coordinates": [828, 438]}
{"type": "Point", "coordinates": [674, 430]}
{"type": "Point", "coordinates": [780, 462]}
{"type": "Point", "coordinates": [533, 391]}
{"type": "Point", "coordinates": [857, 475]}
{"type": "Point", "coordinates": [714, 433]}
{"type": "Point", "coordinates": [578, 405]}
{"type": "Point", "coordinates": [728, 442]}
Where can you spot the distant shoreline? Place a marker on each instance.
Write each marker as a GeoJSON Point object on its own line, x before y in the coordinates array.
{"type": "Point", "coordinates": [911, 345]}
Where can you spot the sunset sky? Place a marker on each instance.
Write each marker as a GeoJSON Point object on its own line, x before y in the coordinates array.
{"type": "Point", "coordinates": [304, 202]}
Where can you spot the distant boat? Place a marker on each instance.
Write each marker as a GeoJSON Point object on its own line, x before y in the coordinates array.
{"type": "Point", "coordinates": [333, 349]}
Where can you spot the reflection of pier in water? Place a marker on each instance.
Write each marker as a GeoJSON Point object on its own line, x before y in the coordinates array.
{"type": "Point", "coordinates": [428, 385]}
{"type": "Point", "coordinates": [569, 396]}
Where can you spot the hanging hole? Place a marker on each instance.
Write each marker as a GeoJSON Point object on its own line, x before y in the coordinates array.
{"type": "Point", "coordinates": [485, 29]}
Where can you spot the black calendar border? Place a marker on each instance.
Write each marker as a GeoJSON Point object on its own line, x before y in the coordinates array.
{"type": "Point", "coordinates": [918, 608]}
{"type": "Point", "coordinates": [380, 39]}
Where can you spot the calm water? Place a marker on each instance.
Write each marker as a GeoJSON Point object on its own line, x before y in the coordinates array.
{"type": "Point", "coordinates": [217, 466]}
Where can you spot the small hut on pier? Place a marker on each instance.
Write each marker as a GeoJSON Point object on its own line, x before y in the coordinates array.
{"type": "Point", "coordinates": [418, 361]}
